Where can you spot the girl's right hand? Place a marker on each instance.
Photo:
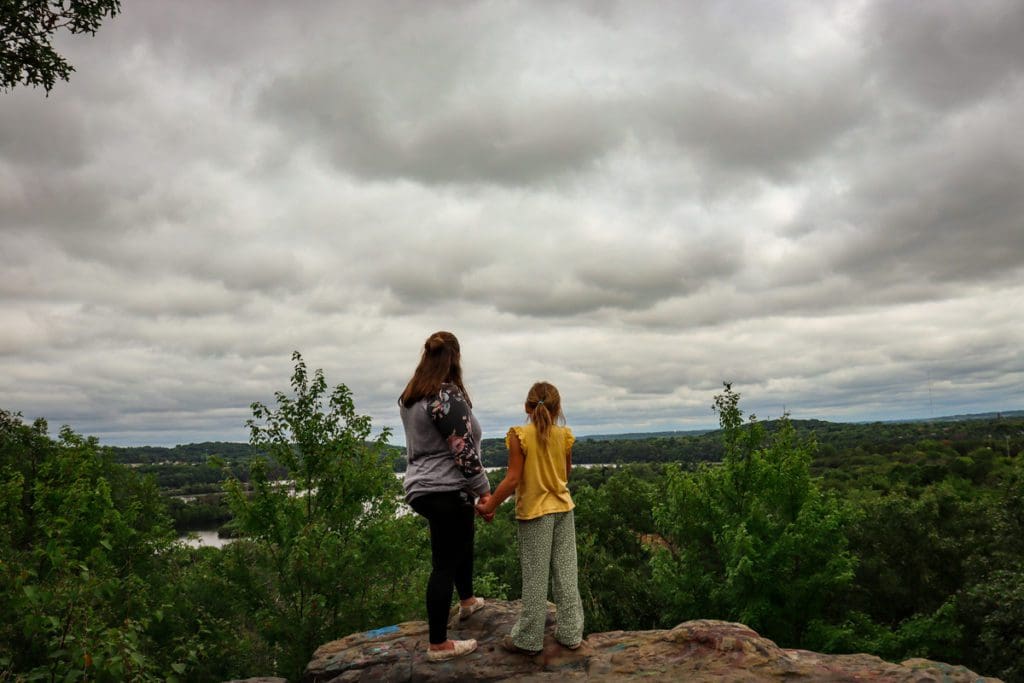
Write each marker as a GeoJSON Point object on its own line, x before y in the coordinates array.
{"type": "Point", "coordinates": [483, 511]}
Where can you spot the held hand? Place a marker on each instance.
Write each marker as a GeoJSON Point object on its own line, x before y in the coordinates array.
{"type": "Point", "coordinates": [481, 510]}
{"type": "Point", "coordinates": [484, 507]}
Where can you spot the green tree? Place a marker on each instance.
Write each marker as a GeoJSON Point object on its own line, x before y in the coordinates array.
{"type": "Point", "coordinates": [27, 27]}
{"type": "Point", "coordinates": [327, 552]}
{"type": "Point", "coordinates": [991, 606]}
{"type": "Point", "coordinates": [753, 539]}
{"type": "Point", "coordinates": [915, 550]}
{"type": "Point", "coordinates": [613, 530]}
{"type": "Point", "coordinates": [496, 572]}
{"type": "Point", "coordinates": [82, 542]}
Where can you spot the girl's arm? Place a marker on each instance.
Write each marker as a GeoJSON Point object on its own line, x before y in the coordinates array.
{"type": "Point", "coordinates": [508, 485]}
{"type": "Point", "coordinates": [568, 462]}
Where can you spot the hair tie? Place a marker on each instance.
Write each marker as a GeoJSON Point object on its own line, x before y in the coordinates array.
{"type": "Point", "coordinates": [540, 402]}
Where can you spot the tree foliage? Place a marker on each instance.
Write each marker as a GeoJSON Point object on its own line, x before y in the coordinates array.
{"type": "Point", "coordinates": [92, 586]}
{"type": "Point", "coordinates": [613, 531]}
{"type": "Point", "coordinates": [909, 543]}
{"type": "Point", "coordinates": [329, 548]}
{"type": "Point", "coordinates": [79, 547]}
{"type": "Point", "coordinates": [753, 539]}
{"type": "Point", "coordinates": [27, 27]}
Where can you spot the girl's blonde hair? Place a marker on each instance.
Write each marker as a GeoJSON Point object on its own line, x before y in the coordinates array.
{"type": "Point", "coordinates": [544, 406]}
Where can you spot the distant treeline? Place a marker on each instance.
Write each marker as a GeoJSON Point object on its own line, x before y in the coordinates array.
{"type": "Point", "coordinates": [887, 448]}
{"type": "Point", "coordinates": [192, 452]}
{"type": "Point", "coordinates": [993, 430]}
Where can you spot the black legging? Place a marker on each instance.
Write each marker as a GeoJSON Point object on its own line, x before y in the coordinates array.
{"type": "Point", "coordinates": [451, 554]}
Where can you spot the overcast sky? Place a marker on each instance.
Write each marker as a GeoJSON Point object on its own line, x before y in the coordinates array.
{"type": "Point", "coordinates": [821, 202]}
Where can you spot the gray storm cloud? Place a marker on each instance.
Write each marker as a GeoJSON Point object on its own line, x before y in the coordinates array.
{"type": "Point", "coordinates": [636, 201]}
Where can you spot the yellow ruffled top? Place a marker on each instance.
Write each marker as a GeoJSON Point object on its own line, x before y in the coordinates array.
{"type": "Point", "coordinates": [543, 487]}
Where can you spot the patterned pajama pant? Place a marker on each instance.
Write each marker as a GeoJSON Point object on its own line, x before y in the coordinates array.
{"type": "Point", "coordinates": [547, 549]}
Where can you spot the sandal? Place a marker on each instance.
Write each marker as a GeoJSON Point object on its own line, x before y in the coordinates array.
{"type": "Point", "coordinates": [570, 647]}
{"type": "Point", "coordinates": [462, 647]}
{"type": "Point", "coordinates": [473, 608]}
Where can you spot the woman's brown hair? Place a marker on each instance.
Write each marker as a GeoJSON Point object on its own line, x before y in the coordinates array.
{"type": "Point", "coordinates": [544, 404]}
{"type": "Point", "coordinates": [440, 362]}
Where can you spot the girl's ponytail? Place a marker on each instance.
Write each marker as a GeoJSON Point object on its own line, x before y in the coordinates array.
{"type": "Point", "coordinates": [544, 405]}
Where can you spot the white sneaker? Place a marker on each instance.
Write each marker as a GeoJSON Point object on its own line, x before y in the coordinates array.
{"type": "Point", "coordinates": [462, 647]}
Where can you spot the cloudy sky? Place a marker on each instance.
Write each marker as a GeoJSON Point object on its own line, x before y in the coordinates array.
{"type": "Point", "coordinates": [821, 202]}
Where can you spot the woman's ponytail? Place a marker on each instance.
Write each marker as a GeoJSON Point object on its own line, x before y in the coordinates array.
{"type": "Point", "coordinates": [440, 362]}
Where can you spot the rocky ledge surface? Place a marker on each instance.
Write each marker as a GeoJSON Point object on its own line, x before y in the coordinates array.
{"type": "Point", "coordinates": [703, 650]}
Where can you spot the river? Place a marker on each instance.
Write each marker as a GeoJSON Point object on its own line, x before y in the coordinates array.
{"type": "Point", "coordinates": [206, 538]}
{"type": "Point", "coordinates": [210, 539]}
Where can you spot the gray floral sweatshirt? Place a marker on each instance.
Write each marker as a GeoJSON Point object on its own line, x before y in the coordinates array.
{"type": "Point", "coordinates": [442, 439]}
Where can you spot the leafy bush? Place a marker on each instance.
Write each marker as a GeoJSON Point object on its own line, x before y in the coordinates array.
{"type": "Point", "coordinates": [78, 552]}
{"type": "Point", "coordinates": [753, 539]}
{"type": "Point", "coordinates": [330, 556]}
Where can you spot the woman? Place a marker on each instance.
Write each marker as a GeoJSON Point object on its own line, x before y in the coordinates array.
{"type": "Point", "coordinates": [443, 479]}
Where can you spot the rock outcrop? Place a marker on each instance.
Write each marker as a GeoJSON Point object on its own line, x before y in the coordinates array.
{"type": "Point", "coordinates": [703, 650]}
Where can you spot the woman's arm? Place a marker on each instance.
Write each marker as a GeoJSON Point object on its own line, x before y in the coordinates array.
{"type": "Point", "coordinates": [508, 485]}
{"type": "Point", "coordinates": [568, 462]}
{"type": "Point", "coordinates": [453, 419]}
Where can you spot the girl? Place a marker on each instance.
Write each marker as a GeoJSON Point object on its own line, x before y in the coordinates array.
{"type": "Point", "coordinates": [539, 461]}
